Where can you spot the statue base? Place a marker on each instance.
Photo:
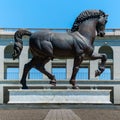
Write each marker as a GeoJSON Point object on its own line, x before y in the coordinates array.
{"type": "Point", "coordinates": [59, 96]}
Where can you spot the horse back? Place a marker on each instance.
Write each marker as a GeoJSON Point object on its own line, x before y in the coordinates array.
{"type": "Point", "coordinates": [58, 40]}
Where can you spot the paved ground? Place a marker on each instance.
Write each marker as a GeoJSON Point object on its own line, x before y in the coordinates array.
{"type": "Point", "coordinates": [59, 112]}
{"type": "Point", "coordinates": [98, 114]}
{"type": "Point", "coordinates": [23, 114]}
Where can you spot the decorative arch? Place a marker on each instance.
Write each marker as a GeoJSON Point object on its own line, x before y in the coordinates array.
{"type": "Point", "coordinates": [108, 50]}
{"type": "Point", "coordinates": [8, 51]}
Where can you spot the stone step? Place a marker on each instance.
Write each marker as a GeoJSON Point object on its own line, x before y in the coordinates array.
{"type": "Point", "coordinates": [100, 96]}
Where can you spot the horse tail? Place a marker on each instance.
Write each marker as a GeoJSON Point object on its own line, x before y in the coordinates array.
{"type": "Point", "coordinates": [18, 45]}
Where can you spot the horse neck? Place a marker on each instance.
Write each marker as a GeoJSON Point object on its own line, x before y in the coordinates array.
{"type": "Point", "coordinates": [88, 30]}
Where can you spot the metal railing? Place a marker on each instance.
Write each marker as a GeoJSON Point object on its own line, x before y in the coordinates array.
{"type": "Point", "coordinates": [113, 30]}
{"type": "Point", "coordinates": [34, 29]}
{"type": "Point", "coordinates": [58, 75]}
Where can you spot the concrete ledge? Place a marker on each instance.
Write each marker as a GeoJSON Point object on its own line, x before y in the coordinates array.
{"type": "Point", "coordinates": [59, 96]}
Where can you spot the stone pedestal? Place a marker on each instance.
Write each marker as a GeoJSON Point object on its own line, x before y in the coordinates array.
{"type": "Point", "coordinates": [116, 94]}
{"type": "Point", "coordinates": [59, 96]}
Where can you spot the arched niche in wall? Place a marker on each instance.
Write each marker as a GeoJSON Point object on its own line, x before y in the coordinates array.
{"type": "Point", "coordinates": [108, 73]}
{"type": "Point", "coordinates": [107, 50]}
{"type": "Point", "coordinates": [8, 51]}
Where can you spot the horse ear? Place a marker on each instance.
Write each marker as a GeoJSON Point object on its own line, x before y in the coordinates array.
{"type": "Point", "coordinates": [106, 16]}
{"type": "Point", "coordinates": [101, 19]}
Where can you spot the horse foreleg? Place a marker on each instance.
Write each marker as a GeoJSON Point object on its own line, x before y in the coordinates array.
{"type": "Point", "coordinates": [101, 68]}
{"type": "Point", "coordinates": [77, 62]}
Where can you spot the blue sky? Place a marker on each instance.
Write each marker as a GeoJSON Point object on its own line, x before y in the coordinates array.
{"type": "Point", "coordinates": [53, 13]}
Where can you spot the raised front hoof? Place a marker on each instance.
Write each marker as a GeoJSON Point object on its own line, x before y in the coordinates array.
{"type": "Point", "coordinates": [25, 87]}
{"type": "Point", "coordinates": [97, 73]}
{"type": "Point", "coordinates": [75, 87]}
{"type": "Point", "coordinates": [53, 82]}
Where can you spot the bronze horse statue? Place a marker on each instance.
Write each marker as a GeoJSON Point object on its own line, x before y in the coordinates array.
{"type": "Point", "coordinates": [78, 44]}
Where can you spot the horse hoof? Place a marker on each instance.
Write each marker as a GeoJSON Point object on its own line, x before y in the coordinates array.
{"type": "Point", "coordinates": [75, 87]}
{"type": "Point", "coordinates": [53, 82]}
{"type": "Point", "coordinates": [24, 87]}
{"type": "Point", "coordinates": [97, 73]}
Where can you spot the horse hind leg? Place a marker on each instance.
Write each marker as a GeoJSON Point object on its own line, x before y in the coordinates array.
{"type": "Point", "coordinates": [45, 54]}
{"type": "Point", "coordinates": [41, 67]}
{"type": "Point", "coordinates": [26, 69]}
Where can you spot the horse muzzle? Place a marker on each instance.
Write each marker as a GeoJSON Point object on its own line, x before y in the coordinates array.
{"type": "Point", "coordinates": [101, 34]}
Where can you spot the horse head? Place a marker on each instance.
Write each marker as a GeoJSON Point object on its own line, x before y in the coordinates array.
{"type": "Point", "coordinates": [100, 27]}
{"type": "Point", "coordinates": [87, 15]}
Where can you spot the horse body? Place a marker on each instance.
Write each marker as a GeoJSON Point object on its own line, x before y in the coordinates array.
{"type": "Point", "coordinates": [45, 44]}
{"type": "Point", "coordinates": [77, 44]}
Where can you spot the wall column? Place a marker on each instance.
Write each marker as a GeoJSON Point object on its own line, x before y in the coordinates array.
{"type": "Point", "coordinates": [48, 67]}
{"type": "Point", "coordinates": [23, 59]}
{"type": "Point", "coordinates": [2, 62]}
{"type": "Point", "coordinates": [69, 68]}
{"type": "Point", "coordinates": [116, 64]}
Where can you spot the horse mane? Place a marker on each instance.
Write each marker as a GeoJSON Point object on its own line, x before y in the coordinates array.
{"type": "Point", "coordinates": [85, 15]}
